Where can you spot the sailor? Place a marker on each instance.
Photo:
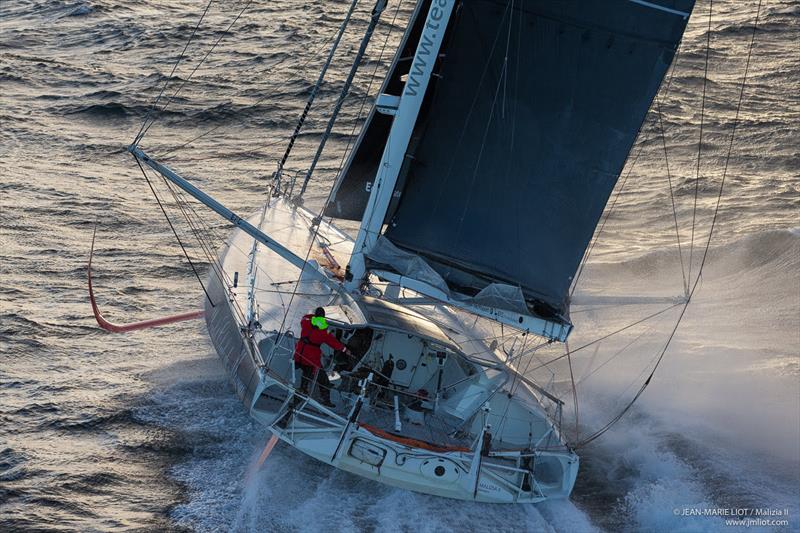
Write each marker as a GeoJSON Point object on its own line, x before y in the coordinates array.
{"type": "Point", "coordinates": [307, 352]}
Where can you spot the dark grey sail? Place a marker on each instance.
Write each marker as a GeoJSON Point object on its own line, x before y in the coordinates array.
{"type": "Point", "coordinates": [352, 187]}
{"type": "Point", "coordinates": [527, 125]}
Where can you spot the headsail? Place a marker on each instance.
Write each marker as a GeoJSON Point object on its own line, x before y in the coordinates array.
{"type": "Point", "coordinates": [526, 127]}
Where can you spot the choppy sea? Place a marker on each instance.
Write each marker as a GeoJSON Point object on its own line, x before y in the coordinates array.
{"type": "Point", "coordinates": [143, 431]}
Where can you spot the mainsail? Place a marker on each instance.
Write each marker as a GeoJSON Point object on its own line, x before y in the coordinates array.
{"type": "Point", "coordinates": [527, 123]}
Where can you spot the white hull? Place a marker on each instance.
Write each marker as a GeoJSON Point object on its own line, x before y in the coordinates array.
{"type": "Point", "coordinates": [527, 461]}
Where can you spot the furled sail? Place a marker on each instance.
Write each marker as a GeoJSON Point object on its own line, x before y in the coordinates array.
{"type": "Point", "coordinates": [527, 125]}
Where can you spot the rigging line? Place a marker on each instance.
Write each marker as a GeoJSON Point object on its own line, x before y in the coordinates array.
{"type": "Point", "coordinates": [320, 294]}
{"type": "Point", "coordinates": [213, 238]}
{"type": "Point", "coordinates": [505, 62]}
{"type": "Point", "coordinates": [208, 132]}
{"type": "Point", "coordinates": [574, 390]}
{"type": "Point", "coordinates": [483, 142]}
{"type": "Point", "coordinates": [315, 89]}
{"type": "Point", "coordinates": [181, 210]}
{"type": "Point", "coordinates": [502, 338]}
{"type": "Point", "coordinates": [387, 144]}
{"type": "Point", "coordinates": [618, 417]}
{"type": "Point", "coordinates": [590, 365]}
{"type": "Point", "coordinates": [137, 138]}
{"type": "Point", "coordinates": [602, 307]}
{"type": "Point", "coordinates": [505, 337]}
{"type": "Point", "coordinates": [604, 337]}
{"type": "Point", "coordinates": [210, 233]}
{"type": "Point", "coordinates": [671, 194]}
{"type": "Point", "coordinates": [636, 380]}
{"type": "Point", "coordinates": [214, 264]}
{"type": "Point", "coordinates": [252, 268]}
{"type": "Point", "coordinates": [607, 216]}
{"type": "Point", "coordinates": [700, 141]}
{"type": "Point", "coordinates": [183, 84]}
{"type": "Point", "coordinates": [608, 212]}
{"type": "Point", "coordinates": [513, 138]}
{"type": "Point", "coordinates": [315, 232]}
{"type": "Point", "coordinates": [254, 104]}
{"type": "Point", "coordinates": [708, 242]}
{"type": "Point", "coordinates": [180, 87]}
{"type": "Point", "coordinates": [514, 384]}
{"type": "Point", "coordinates": [350, 139]}
{"type": "Point", "coordinates": [174, 232]}
{"type": "Point", "coordinates": [206, 246]}
{"type": "Point", "coordinates": [516, 373]}
{"type": "Point", "coordinates": [186, 206]}
{"type": "Point", "coordinates": [531, 352]}
{"type": "Point", "coordinates": [211, 256]}
{"type": "Point", "coordinates": [380, 5]}
{"type": "Point", "coordinates": [614, 356]}
{"type": "Point", "coordinates": [312, 241]}
{"type": "Point", "coordinates": [473, 104]}
{"type": "Point", "coordinates": [213, 261]}
{"type": "Point", "coordinates": [730, 149]}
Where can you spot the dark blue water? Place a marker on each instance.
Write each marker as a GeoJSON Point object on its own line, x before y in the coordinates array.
{"type": "Point", "coordinates": [142, 431]}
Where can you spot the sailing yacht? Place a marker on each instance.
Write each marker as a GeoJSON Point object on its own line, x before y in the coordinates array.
{"type": "Point", "coordinates": [478, 179]}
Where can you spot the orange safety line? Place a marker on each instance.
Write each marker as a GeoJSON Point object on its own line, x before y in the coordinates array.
{"type": "Point", "coordinates": [413, 443]}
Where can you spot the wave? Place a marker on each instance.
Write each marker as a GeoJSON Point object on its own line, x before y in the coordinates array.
{"type": "Point", "coordinates": [7, 77]}
{"type": "Point", "coordinates": [170, 451]}
{"type": "Point", "coordinates": [261, 115]}
{"type": "Point", "coordinates": [10, 459]}
{"type": "Point", "coordinates": [80, 10]}
{"type": "Point", "coordinates": [779, 247]}
{"type": "Point", "coordinates": [107, 110]}
{"type": "Point", "coordinates": [18, 328]}
{"type": "Point", "coordinates": [94, 421]}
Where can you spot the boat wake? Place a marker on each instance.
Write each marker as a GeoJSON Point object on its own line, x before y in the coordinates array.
{"type": "Point", "coordinates": [699, 439]}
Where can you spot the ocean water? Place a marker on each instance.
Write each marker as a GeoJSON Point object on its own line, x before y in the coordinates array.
{"type": "Point", "coordinates": [142, 431]}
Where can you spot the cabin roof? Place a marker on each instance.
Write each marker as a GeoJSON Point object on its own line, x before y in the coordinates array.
{"type": "Point", "coordinates": [383, 313]}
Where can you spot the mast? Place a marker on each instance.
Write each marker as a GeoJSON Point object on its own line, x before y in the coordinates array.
{"type": "Point", "coordinates": [394, 152]}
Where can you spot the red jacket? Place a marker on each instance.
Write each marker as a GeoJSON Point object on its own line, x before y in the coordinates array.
{"type": "Point", "coordinates": [307, 350]}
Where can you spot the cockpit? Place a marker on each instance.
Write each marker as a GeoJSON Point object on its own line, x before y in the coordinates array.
{"type": "Point", "coordinates": [420, 384]}
{"type": "Point", "coordinates": [405, 352]}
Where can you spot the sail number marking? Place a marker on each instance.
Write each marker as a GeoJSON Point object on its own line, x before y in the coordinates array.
{"type": "Point", "coordinates": [425, 47]}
